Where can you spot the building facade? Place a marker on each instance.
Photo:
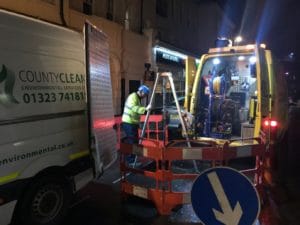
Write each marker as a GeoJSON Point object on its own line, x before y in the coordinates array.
{"type": "Point", "coordinates": [181, 29]}
{"type": "Point", "coordinates": [160, 33]}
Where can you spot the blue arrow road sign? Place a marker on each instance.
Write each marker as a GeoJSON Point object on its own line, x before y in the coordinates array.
{"type": "Point", "coordinates": [223, 195]}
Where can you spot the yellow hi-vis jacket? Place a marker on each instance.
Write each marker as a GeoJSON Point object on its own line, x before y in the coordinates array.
{"type": "Point", "coordinates": [133, 109]}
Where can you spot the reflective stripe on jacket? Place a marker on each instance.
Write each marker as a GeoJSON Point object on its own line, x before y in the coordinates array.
{"type": "Point", "coordinates": [133, 109]}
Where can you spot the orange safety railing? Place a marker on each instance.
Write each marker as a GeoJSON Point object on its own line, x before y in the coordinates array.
{"type": "Point", "coordinates": [157, 178]}
{"type": "Point", "coordinates": [154, 129]}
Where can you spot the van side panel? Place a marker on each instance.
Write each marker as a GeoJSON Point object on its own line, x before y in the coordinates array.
{"type": "Point", "coordinates": [42, 97]}
{"type": "Point", "coordinates": [7, 210]}
{"type": "Point", "coordinates": [44, 141]}
{"type": "Point", "coordinates": [41, 68]}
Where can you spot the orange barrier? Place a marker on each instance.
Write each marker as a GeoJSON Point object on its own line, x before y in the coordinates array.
{"type": "Point", "coordinates": [154, 130]}
{"type": "Point", "coordinates": [157, 182]}
{"type": "Point", "coordinates": [162, 194]}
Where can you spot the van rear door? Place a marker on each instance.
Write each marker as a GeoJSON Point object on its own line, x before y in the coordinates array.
{"type": "Point", "coordinates": [102, 137]}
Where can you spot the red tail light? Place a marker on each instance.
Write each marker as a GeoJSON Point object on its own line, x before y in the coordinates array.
{"type": "Point", "coordinates": [273, 123]}
{"type": "Point", "coordinates": [270, 123]}
{"type": "Point", "coordinates": [266, 123]}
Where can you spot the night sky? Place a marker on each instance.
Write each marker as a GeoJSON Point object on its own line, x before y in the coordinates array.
{"type": "Point", "coordinates": [274, 22]}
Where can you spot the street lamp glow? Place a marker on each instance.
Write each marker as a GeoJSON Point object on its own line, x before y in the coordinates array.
{"type": "Point", "coordinates": [170, 52]}
{"type": "Point", "coordinates": [238, 39]}
{"type": "Point", "coordinates": [263, 45]}
{"type": "Point", "coordinates": [216, 61]}
{"type": "Point", "coordinates": [241, 58]}
{"type": "Point", "coordinates": [252, 59]}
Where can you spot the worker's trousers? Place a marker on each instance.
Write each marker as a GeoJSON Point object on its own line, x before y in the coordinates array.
{"type": "Point", "coordinates": [132, 135]}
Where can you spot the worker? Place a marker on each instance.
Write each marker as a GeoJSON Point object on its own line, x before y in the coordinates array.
{"type": "Point", "coordinates": [133, 109]}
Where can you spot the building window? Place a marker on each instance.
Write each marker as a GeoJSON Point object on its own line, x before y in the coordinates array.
{"type": "Point", "coordinates": [134, 85]}
{"type": "Point", "coordinates": [110, 9]}
{"type": "Point", "coordinates": [87, 7]}
{"type": "Point", "coordinates": [162, 8]}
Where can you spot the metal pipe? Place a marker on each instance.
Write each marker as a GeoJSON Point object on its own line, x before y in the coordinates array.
{"type": "Point", "coordinates": [148, 112]}
{"type": "Point", "coordinates": [164, 108]}
{"type": "Point", "coordinates": [61, 12]}
{"type": "Point", "coordinates": [142, 15]}
{"type": "Point", "coordinates": [178, 109]}
{"type": "Point", "coordinates": [183, 124]}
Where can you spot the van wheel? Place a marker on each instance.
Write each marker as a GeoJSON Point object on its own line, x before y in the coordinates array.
{"type": "Point", "coordinates": [45, 202]}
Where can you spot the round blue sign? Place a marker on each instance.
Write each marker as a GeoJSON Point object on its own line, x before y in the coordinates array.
{"type": "Point", "coordinates": [222, 195]}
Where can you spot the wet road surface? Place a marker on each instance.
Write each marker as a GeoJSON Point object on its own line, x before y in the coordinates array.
{"type": "Point", "coordinates": [100, 202]}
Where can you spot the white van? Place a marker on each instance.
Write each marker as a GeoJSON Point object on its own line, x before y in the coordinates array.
{"type": "Point", "coordinates": [48, 77]}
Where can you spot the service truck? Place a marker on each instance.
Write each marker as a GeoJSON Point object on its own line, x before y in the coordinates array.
{"type": "Point", "coordinates": [56, 116]}
{"type": "Point", "coordinates": [237, 93]}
